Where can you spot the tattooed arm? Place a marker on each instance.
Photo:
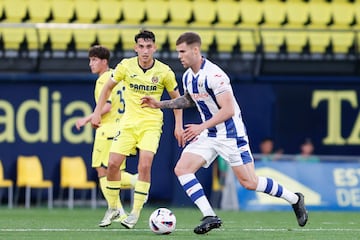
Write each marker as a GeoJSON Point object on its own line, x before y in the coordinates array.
{"type": "Point", "coordinates": [184, 101]}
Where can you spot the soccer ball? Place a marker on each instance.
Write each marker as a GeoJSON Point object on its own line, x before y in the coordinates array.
{"type": "Point", "coordinates": [162, 221]}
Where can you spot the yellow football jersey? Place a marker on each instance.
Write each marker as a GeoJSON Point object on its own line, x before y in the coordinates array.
{"type": "Point", "coordinates": [139, 83]}
{"type": "Point", "coordinates": [116, 99]}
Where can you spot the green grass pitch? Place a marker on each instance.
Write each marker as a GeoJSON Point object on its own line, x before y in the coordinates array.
{"type": "Point", "coordinates": [81, 223]}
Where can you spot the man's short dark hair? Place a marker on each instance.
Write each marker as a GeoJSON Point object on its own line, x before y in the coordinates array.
{"type": "Point", "coordinates": [146, 35]}
{"type": "Point", "coordinates": [99, 52]}
{"type": "Point", "coordinates": [189, 38]}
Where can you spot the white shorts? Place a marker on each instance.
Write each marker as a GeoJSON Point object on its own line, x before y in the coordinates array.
{"type": "Point", "coordinates": [236, 151]}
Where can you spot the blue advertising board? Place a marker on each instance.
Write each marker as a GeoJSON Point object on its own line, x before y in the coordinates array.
{"type": "Point", "coordinates": [326, 186]}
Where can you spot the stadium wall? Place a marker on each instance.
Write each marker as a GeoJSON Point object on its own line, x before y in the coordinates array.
{"type": "Point", "coordinates": [38, 113]}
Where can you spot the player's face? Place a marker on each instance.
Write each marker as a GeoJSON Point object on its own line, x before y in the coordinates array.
{"type": "Point", "coordinates": [186, 54]}
{"type": "Point", "coordinates": [145, 49]}
{"type": "Point", "coordinates": [97, 65]}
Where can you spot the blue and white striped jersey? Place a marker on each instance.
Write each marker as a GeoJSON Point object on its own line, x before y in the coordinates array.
{"type": "Point", "coordinates": [203, 88]}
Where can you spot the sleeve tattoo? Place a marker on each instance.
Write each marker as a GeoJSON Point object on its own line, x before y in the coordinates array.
{"type": "Point", "coordinates": [184, 101]}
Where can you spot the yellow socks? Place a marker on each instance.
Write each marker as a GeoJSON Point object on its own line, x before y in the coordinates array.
{"type": "Point", "coordinates": [140, 196]}
{"type": "Point", "coordinates": [113, 194]}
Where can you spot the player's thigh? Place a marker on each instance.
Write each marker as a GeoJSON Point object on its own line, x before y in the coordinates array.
{"type": "Point", "coordinates": [189, 163]}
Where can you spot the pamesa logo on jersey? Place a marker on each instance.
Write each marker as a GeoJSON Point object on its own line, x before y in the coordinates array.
{"type": "Point", "coordinates": [142, 87]}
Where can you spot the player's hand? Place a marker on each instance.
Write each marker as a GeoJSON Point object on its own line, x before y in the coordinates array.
{"type": "Point", "coordinates": [179, 135]}
{"type": "Point", "coordinates": [148, 101]}
{"type": "Point", "coordinates": [191, 131]}
{"type": "Point", "coordinates": [96, 121]}
{"type": "Point", "coordinates": [80, 123]}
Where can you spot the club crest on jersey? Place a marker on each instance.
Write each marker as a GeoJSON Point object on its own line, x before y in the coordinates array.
{"type": "Point", "coordinates": [154, 79]}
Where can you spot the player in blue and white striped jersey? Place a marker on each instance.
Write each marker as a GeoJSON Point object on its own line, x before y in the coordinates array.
{"type": "Point", "coordinates": [222, 132]}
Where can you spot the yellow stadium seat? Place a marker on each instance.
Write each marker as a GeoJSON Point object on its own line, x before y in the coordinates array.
{"type": "Point", "coordinates": [160, 36]}
{"type": "Point", "coordinates": [12, 37]}
{"type": "Point", "coordinates": [173, 35]}
{"type": "Point", "coordinates": [180, 13]}
{"type": "Point", "coordinates": [207, 38]}
{"type": "Point", "coordinates": [86, 10]}
{"type": "Point", "coordinates": [204, 13]}
{"type": "Point", "coordinates": [228, 13]}
{"type": "Point", "coordinates": [157, 12]}
{"type": "Point", "coordinates": [73, 176]}
{"type": "Point", "coordinates": [274, 13]}
{"type": "Point", "coordinates": [15, 10]}
{"type": "Point", "coordinates": [84, 38]}
{"type": "Point", "coordinates": [6, 183]}
{"type": "Point", "coordinates": [39, 10]}
{"type": "Point", "coordinates": [108, 37]}
{"type": "Point", "coordinates": [251, 13]}
{"type": "Point", "coordinates": [319, 40]}
{"type": "Point", "coordinates": [295, 41]}
{"type": "Point", "coordinates": [272, 40]}
{"type": "Point", "coordinates": [320, 14]}
{"type": "Point", "coordinates": [342, 41]}
{"type": "Point", "coordinates": [62, 10]}
{"type": "Point", "coordinates": [343, 14]}
{"type": "Point", "coordinates": [297, 13]}
{"type": "Point", "coordinates": [60, 38]}
{"type": "Point", "coordinates": [133, 11]}
{"type": "Point", "coordinates": [226, 40]}
{"type": "Point", "coordinates": [248, 40]}
{"type": "Point", "coordinates": [357, 15]}
{"type": "Point", "coordinates": [127, 38]}
{"type": "Point", "coordinates": [35, 38]}
{"type": "Point", "coordinates": [30, 175]}
{"type": "Point", "coordinates": [110, 11]}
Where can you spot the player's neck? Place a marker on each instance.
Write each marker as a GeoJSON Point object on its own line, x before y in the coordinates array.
{"type": "Point", "coordinates": [197, 66]}
{"type": "Point", "coordinates": [145, 65]}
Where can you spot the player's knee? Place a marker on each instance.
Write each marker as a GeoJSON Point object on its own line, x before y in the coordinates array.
{"type": "Point", "coordinates": [179, 171]}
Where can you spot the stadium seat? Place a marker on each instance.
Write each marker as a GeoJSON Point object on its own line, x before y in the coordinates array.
{"type": "Point", "coordinates": [342, 41]}
{"type": "Point", "coordinates": [157, 12]}
{"type": "Point", "coordinates": [357, 15]}
{"type": "Point", "coordinates": [251, 13]}
{"type": "Point", "coordinates": [6, 183]}
{"type": "Point", "coordinates": [62, 10]}
{"type": "Point", "coordinates": [110, 11]}
{"type": "Point", "coordinates": [207, 38]}
{"type": "Point", "coordinates": [15, 10]}
{"type": "Point", "coordinates": [84, 38]}
{"type": "Point", "coordinates": [86, 10]}
{"type": "Point", "coordinates": [108, 37]}
{"type": "Point", "coordinates": [343, 14]}
{"type": "Point", "coordinates": [204, 13]}
{"type": "Point", "coordinates": [161, 36]}
{"type": "Point", "coordinates": [319, 41]}
{"type": "Point", "coordinates": [35, 38]}
{"type": "Point", "coordinates": [226, 40]}
{"type": "Point", "coordinates": [228, 13]}
{"type": "Point", "coordinates": [297, 13]}
{"type": "Point", "coordinates": [73, 176]}
{"type": "Point", "coordinates": [127, 38]}
{"type": "Point", "coordinates": [173, 35]}
{"type": "Point", "coordinates": [272, 40]}
{"type": "Point", "coordinates": [39, 10]}
{"type": "Point", "coordinates": [248, 40]}
{"type": "Point", "coordinates": [133, 12]}
{"type": "Point", "coordinates": [320, 14]}
{"type": "Point", "coordinates": [30, 175]}
{"type": "Point", "coordinates": [274, 13]}
{"type": "Point", "coordinates": [295, 41]}
{"type": "Point", "coordinates": [60, 38]}
{"type": "Point", "coordinates": [12, 37]}
{"type": "Point", "coordinates": [180, 13]}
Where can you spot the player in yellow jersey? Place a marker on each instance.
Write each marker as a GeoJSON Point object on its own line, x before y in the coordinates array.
{"type": "Point", "coordinates": [142, 75]}
{"type": "Point", "coordinates": [111, 113]}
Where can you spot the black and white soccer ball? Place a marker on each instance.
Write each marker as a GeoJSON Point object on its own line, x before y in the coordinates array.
{"type": "Point", "coordinates": [162, 221]}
